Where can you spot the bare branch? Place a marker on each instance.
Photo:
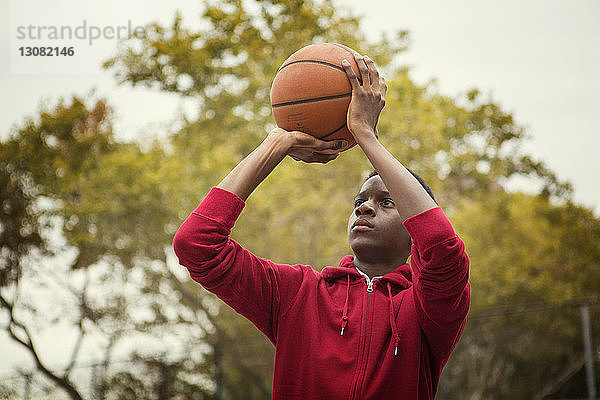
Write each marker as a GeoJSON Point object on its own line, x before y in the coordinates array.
{"type": "Point", "coordinates": [26, 342]}
{"type": "Point", "coordinates": [194, 300]}
{"type": "Point", "coordinates": [56, 278]}
{"type": "Point", "coordinates": [82, 315]}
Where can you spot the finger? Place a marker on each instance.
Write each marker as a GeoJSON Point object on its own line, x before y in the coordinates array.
{"type": "Point", "coordinates": [305, 140]}
{"type": "Point", "coordinates": [309, 156]}
{"type": "Point", "coordinates": [300, 154]}
{"type": "Point", "coordinates": [330, 146]}
{"type": "Point", "coordinates": [373, 72]}
{"type": "Point", "coordinates": [382, 85]}
{"type": "Point", "coordinates": [383, 89]}
{"type": "Point", "coordinates": [351, 75]}
{"type": "Point", "coordinates": [362, 69]}
{"type": "Point", "coordinates": [327, 152]}
{"type": "Point", "coordinates": [302, 139]}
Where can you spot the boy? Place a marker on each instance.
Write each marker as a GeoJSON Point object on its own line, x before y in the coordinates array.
{"type": "Point", "coordinates": [371, 328]}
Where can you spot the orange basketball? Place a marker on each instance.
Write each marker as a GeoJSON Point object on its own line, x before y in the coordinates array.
{"type": "Point", "coordinates": [311, 92]}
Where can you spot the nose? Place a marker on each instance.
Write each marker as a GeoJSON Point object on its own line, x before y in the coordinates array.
{"type": "Point", "coordinates": [365, 208]}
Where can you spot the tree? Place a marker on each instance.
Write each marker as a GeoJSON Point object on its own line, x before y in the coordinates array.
{"type": "Point", "coordinates": [538, 260]}
{"type": "Point", "coordinates": [87, 227]}
{"type": "Point", "coordinates": [41, 159]}
{"type": "Point", "coordinates": [82, 216]}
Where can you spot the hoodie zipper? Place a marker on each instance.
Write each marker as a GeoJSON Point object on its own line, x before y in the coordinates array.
{"type": "Point", "coordinates": [361, 372]}
{"type": "Point", "coordinates": [369, 281]}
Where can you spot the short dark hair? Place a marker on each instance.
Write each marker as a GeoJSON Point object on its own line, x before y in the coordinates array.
{"type": "Point", "coordinates": [417, 177]}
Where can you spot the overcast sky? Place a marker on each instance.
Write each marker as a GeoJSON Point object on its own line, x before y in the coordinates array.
{"type": "Point", "coordinates": [540, 59]}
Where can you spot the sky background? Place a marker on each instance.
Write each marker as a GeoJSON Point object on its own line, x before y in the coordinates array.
{"type": "Point", "coordinates": [538, 59]}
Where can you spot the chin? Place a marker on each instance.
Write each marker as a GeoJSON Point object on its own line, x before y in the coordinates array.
{"type": "Point", "coordinates": [359, 246]}
{"type": "Point", "coordinates": [369, 249]}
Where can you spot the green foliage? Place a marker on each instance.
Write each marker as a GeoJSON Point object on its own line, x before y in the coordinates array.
{"type": "Point", "coordinates": [527, 254]}
{"type": "Point", "coordinates": [19, 220]}
{"type": "Point", "coordinates": [64, 178]}
{"type": "Point", "coordinates": [121, 208]}
{"type": "Point", "coordinates": [532, 250]}
{"type": "Point", "coordinates": [45, 159]}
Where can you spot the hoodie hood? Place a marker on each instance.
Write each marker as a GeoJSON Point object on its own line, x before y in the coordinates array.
{"type": "Point", "coordinates": [401, 276]}
{"type": "Point", "coordinates": [346, 271]}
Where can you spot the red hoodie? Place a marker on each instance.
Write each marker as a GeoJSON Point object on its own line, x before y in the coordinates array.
{"type": "Point", "coordinates": [397, 334]}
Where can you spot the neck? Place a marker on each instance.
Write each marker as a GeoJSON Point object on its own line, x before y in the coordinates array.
{"type": "Point", "coordinates": [377, 268]}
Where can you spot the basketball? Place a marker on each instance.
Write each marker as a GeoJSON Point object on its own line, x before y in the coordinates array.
{"type": "Point", "coordinates": [311, 92]}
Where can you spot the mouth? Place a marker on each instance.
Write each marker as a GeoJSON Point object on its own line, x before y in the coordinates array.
{"type": "Point", "coordinates": [362, 225]}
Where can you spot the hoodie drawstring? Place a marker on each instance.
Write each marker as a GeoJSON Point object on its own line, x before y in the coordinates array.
{"type": "Point", "coordinates": [395, 334]}
{"type": "Point", "coordinates": [345, 312]}
{"type": "Point", "coordinates": [393, 321]}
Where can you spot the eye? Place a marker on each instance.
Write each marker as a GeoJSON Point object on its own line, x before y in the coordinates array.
{"type": "Point", "coordinates": [358, 202]}
{"type": "Point", "coordinates": [388, 202]}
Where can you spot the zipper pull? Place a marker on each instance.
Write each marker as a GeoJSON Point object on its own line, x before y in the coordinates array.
{"type": "Point", "coordinates": [369, 285]}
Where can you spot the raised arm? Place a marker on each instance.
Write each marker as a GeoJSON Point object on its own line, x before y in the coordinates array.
{"type": "Point", "coordinates": [438, 260]}
{"type": "Point", "coordinates": [367, 102]}
{"type": "Point", "coordinates": [253, 286]}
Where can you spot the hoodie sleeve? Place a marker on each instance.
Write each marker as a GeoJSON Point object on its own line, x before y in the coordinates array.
{"type": "Point", "coordinates": [441, 279]}
{"type": "Point", "coordinates": [247, 283]}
